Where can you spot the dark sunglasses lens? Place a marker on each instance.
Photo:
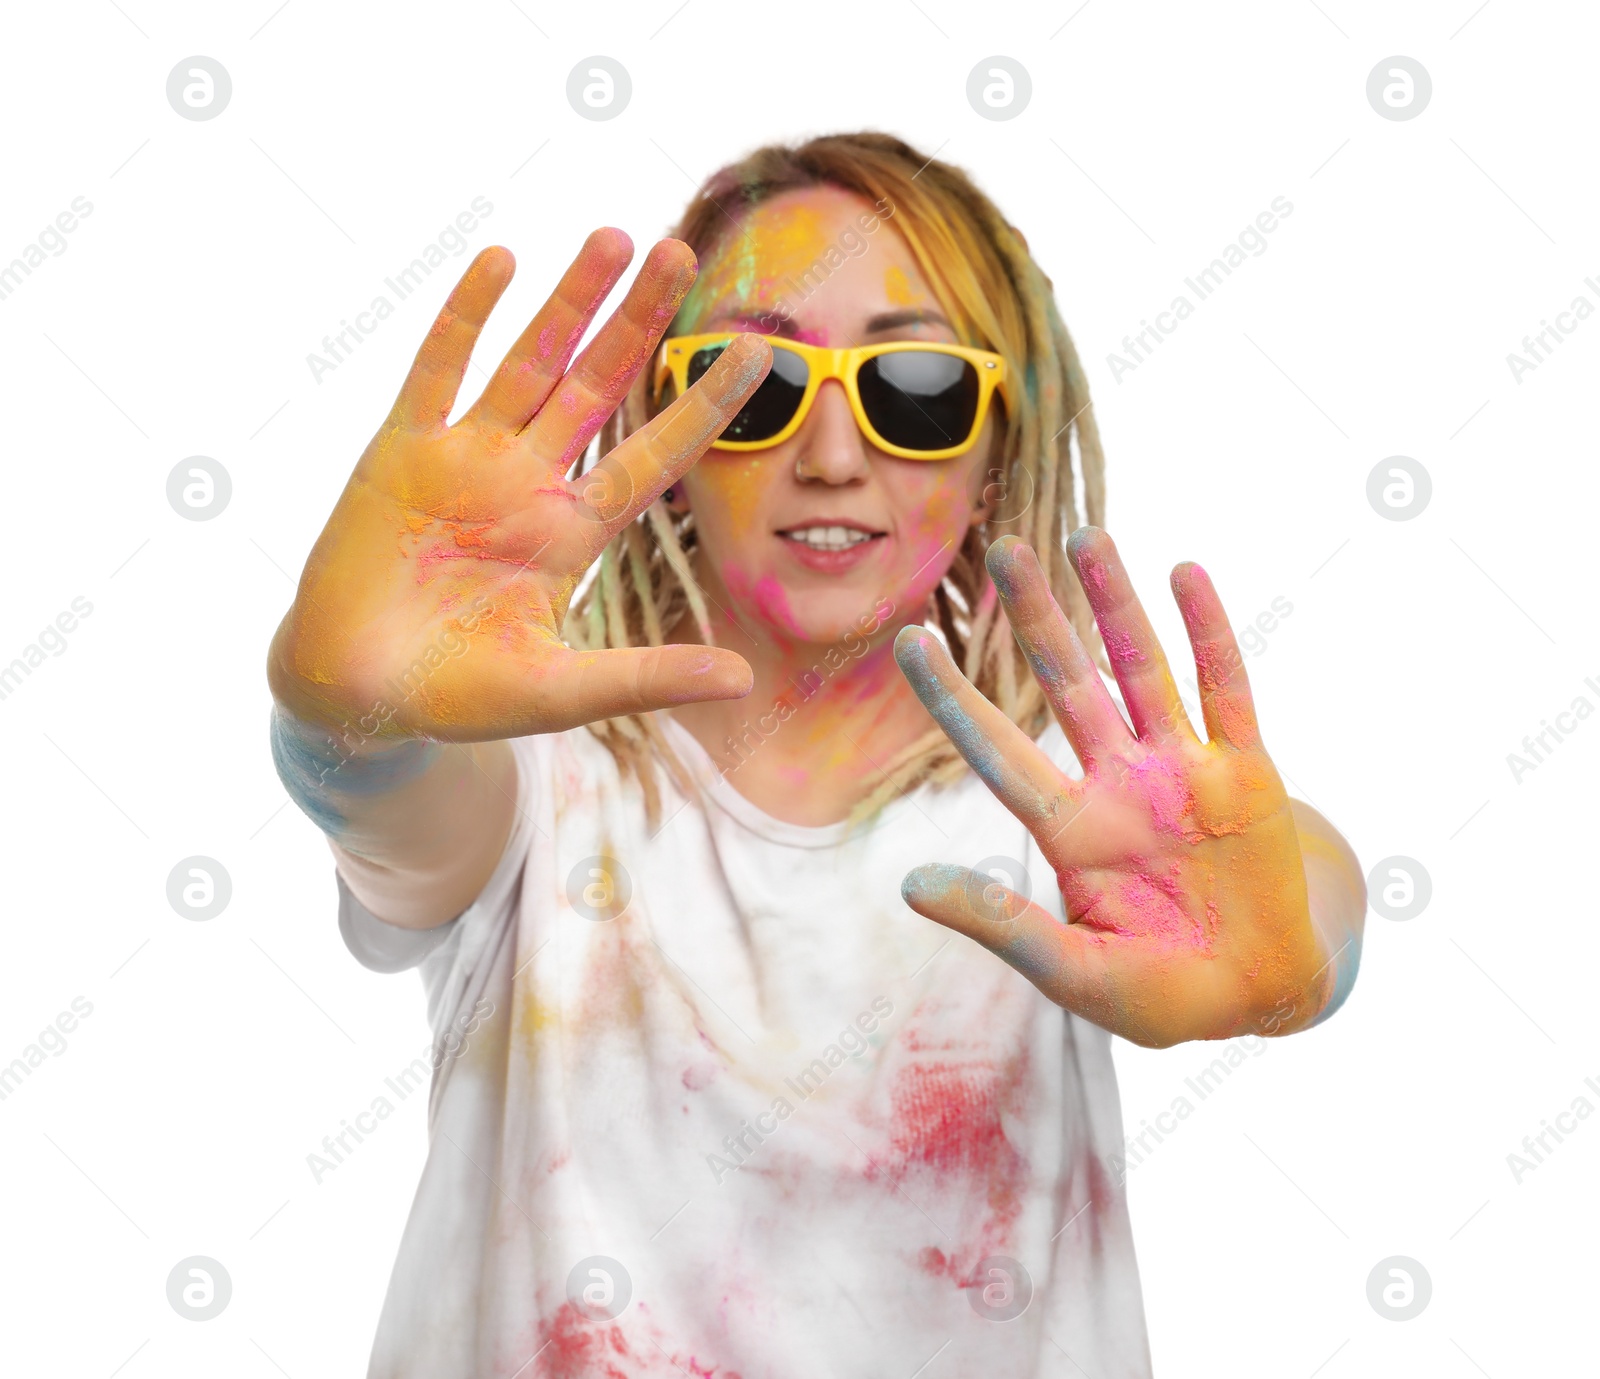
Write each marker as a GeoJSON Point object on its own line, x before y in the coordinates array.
{"type": "Point", "coordinates": [772, 406]}
{"type": "Point", "coordinates": [918, 399]}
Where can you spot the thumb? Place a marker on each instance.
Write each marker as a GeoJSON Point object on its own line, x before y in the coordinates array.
{"type": "Point", "coordinates": [1066, 963]}
{"type": "Point", "coordinates": [584, 686]}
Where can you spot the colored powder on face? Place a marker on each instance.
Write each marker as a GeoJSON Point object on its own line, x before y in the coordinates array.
{"type": "Point", "coordinates": [737, 485]}
{"type": "Point", "coordinates": [773, 604]}
{"type": "Point", "coordinates": [897, 287]}
{"type": "Point", "coordinates": [760, 323]}
{"type": "Point", "coordinates": [766, 595]}
{"type": "Point", "coordinates": [763, 261]}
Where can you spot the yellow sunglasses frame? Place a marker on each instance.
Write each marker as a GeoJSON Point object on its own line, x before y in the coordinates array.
{"type": "Point", "coordinates": [672, 361]}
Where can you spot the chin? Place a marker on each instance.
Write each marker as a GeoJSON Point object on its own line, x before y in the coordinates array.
{"type": "Point", "coordinates": [844, 617]}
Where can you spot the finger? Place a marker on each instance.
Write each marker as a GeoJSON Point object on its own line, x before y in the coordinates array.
{"type": "Point", "coordinates": [636, 473]}
{"type": "Point", "coordinates": [1064, 961]}
{"type": "Point", "coordinates": [590, 392]}
{"type": "Point", "coordinates": [1225, 698]}
{"type": "Point", "coordinates": [430, 389]}
{"type": "Point", "coordinates": [534, 365]}
{"type": "Point", "coordinates": [571, 688]}
{"type": "Point", "coordinates": [1069, 679]}
{"type": "Point", "coordinates": [1136, 656]}
{"type": "Point", "coordinates": [1005, 758]}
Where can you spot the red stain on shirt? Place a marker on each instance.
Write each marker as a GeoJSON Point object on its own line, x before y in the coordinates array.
{"type": "Point", "coordinates": [699, 1075]}
{"type": "Point", "coordinates": [947, 1115]}
{"type": "Point", "coordinates": [946, 1120]}
{"type": "Point", "coordinates": [576, 1348]}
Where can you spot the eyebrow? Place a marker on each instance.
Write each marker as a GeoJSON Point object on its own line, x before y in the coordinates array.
{"type": "Point", "coordinates": [788, 328]}
{"type": "Point", "coordinates": [892, 320]}
{"type": "Point", "coordinates": [746, 321]}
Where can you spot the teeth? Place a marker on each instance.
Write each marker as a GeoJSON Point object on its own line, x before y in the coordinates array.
{"type": "Point", "coordinates": [829, 538]}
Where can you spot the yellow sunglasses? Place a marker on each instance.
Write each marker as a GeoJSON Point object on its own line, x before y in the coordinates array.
{"type": "Point", "coordinates": [911, 399]}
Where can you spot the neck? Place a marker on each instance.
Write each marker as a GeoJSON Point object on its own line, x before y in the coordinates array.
{"type": "Point", "coordinates": [809, 741]}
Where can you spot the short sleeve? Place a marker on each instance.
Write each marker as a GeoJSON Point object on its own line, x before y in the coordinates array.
{"type": "Point", "coordinates": [385, 947]}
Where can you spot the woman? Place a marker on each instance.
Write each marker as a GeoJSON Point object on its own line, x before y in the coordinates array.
{"type": "Point", "coordinates": [709, 1097]}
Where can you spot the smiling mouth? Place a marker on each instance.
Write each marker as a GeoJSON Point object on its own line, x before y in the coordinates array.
{"type": "Point", "coordinates": [830, 536]}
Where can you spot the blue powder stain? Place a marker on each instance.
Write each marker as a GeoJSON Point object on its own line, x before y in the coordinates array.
{"type": "Point", "coordinates": [1345, 967]}
{"type": "Point", "coordinates": [313, 769]}
{"type": "Point", "coordinates": [980, 753]}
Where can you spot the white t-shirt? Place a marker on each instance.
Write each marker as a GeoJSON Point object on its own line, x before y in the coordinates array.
{"type": "Point", "coordinates": [716, 1102]}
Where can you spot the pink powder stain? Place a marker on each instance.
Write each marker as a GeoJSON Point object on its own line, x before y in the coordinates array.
{"type": "Point", "coordinates": [425, 561]}
{"type": "Point", "coordinates": [547, 340]}
{"type": "Point", "coordinates": [699, 1076]}
{"type": "Point", "coordinates": [1093, 575]}
{"type": "Point", "coordinates": [1164, 790]}
{"type": "Point", "coordinates": [1195, 610]}
{"type": "Point", "coordinates": [1157, 901]}
{"type": "Point", "coordinates": [586, 428]}
{"type": "Point", "coordinates": [756, 324]}
{"type": "Point", "coordinates": [1120, 646]}
{"type": "Point", "coordinates": [772, 602]}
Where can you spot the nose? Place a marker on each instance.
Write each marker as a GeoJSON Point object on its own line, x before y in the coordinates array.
{"type": "Point", "coordinates": [831, 448]}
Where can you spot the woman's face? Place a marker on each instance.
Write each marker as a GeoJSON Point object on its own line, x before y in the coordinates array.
{"type": "Point", "coordinates": [754, 509]}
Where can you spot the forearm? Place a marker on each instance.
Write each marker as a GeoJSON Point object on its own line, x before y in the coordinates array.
{"type": "Point", "coordinates": [1337, 893]}
{"type": "Point", "coordinates": [416, 827]}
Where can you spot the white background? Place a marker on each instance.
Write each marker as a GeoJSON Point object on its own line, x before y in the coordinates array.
{"type": "Point", "coordinates": [1418, 654]}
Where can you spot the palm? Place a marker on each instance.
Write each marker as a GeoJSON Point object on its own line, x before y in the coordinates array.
{"type": "Point", "coordinates": [1178, 860]}
{"type": "Point", "coordinates": [441, 582]}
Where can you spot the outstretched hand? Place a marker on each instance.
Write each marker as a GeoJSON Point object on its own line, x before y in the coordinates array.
{"type": "Point", "coordinates": [1178, 860]}
{"type": "Point", "coordinates": [432, 603]}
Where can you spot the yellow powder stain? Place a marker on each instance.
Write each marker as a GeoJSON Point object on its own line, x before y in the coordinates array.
{"type": "Point", "coordinates": [532, 1016]}
{"type": "Point", "coordinates": [739, 483]}
{"type": "Point", "coordinates": [897, 287]}
{"type": "Point", "coordinates": [780, 242]}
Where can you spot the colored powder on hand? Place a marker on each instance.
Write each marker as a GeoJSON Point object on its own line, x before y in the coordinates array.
{"type": "Point", "coordinates": [1157, 901]}
{"type": "Point", "coordinates": [1161, 784]}
{"type": "Point", "coordinates": [1120, 646]}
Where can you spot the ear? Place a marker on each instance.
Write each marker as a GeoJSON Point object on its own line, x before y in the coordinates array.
{"type": "Point", "coordinates": [988, 495]}
{"type": "Point", "coordinates": [988, 488]}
